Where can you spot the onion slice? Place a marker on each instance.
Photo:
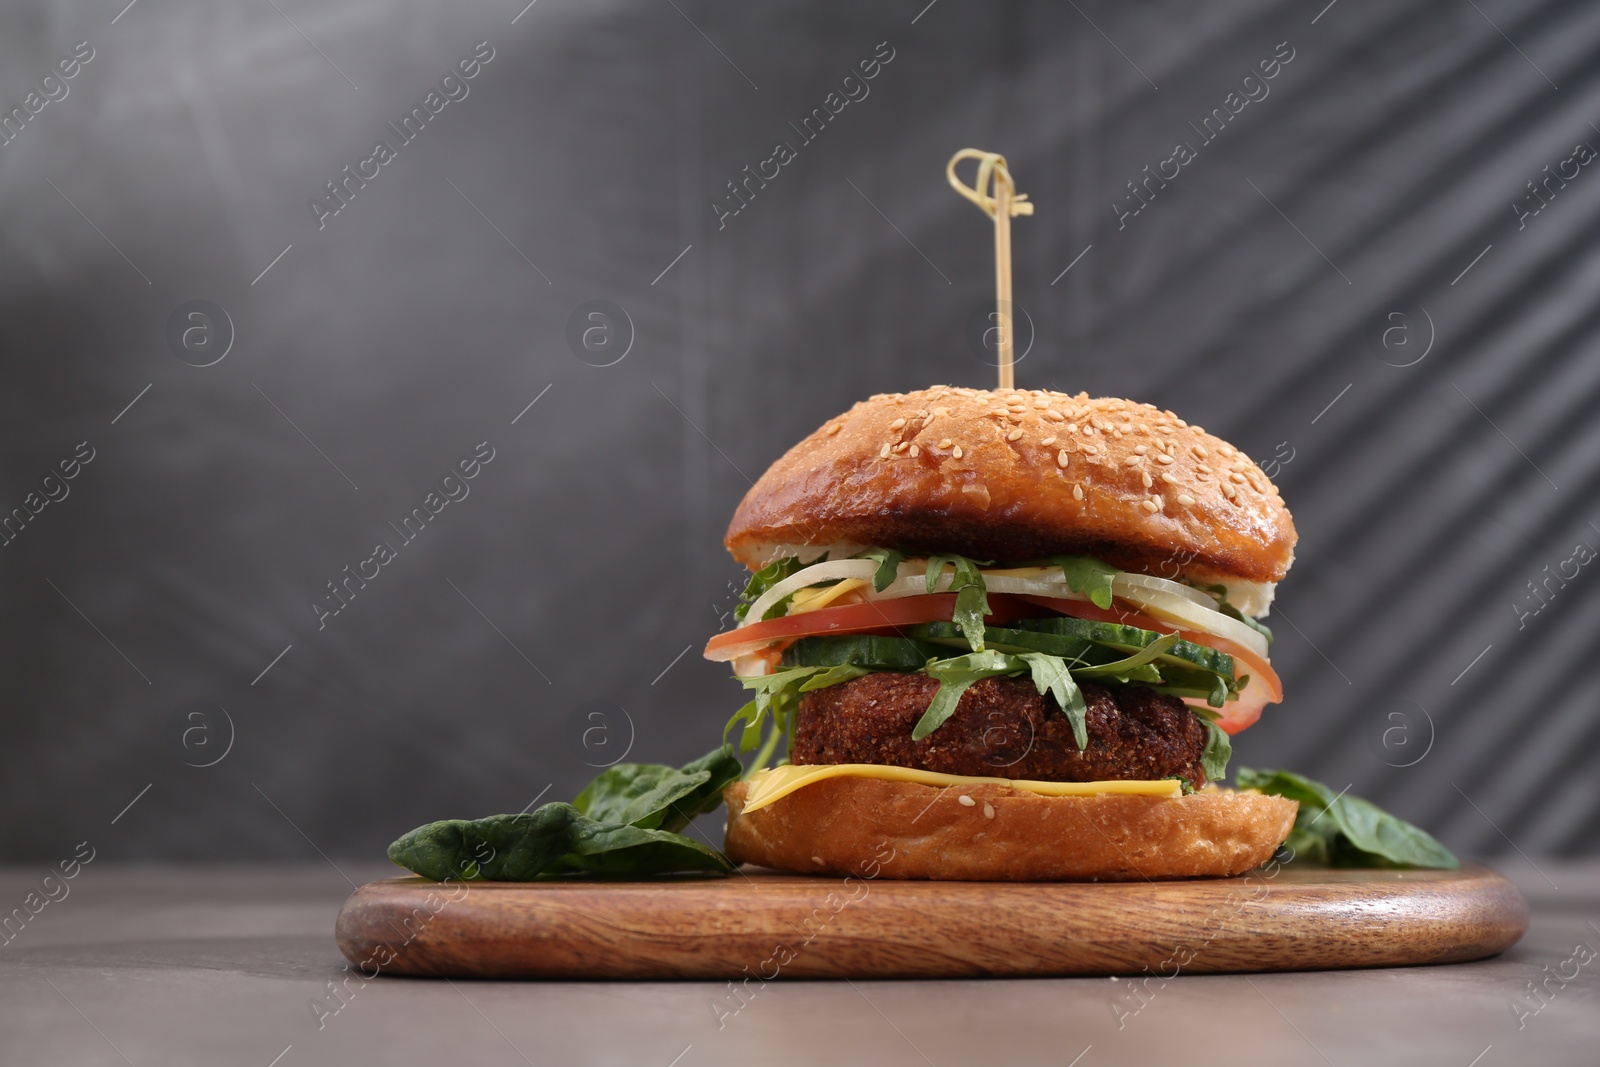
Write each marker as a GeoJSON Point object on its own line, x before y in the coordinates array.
{"type": "Point", "coordinates": [1167, 600]}
{"type": "Point", "coordinates": [1128, 584]}
{"type": "Point", "coordinates": [1185, 612]}
{"type": "Point", "coordinates": [833, 570]}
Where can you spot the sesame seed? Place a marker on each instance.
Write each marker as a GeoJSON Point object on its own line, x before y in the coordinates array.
{"type": "Point", "coordinates": [1077, 492]}
{"type": "Point", "coordinates": [1143, 428]}
{"type": "Point", "coordinates": [1116, 433]}
{"type": "Point", "coordinates": [1167, 477]}
{"type": "Point", "coordinates": [998, 413]}
{"type": "Point", "coordinates": [835, 428]}
{"type": "Point", "coordinates": [896, 424]}
{"type": "Point", "coordinates": [966, 801]}
{"type": "Point", "coordinates": [1091, 449]}
{"type": "Point", "coordinates": [1048, 441]}
{"type": "Point", "coordinates": [957, 452]}
{"type": "Point", "coordinates": [1072, 427]}
{"type": "Point", "coordinates": [1014, 434]}
{"type": "Point", "coordinates": [988, 810]}
{"type": "Point", "coordinates": [883, 453]}
{"type": "Point", "coordinates": [1203, 468]}
{"type": "Point", "coordinates": [1236, 476]}
{"type": "Point", "coordinates": [817, 860]}
{"type": "Point", "coordinates": [1041, 401]}
{"type": "Point", "coordinates": [945, 443]}
{"type": "Point", "coordinates": [1142, 450]}
{"type": "Point", "coordinates": [1168, 429]}
{"type": "Point", "coordinates": [941, 411]}
{"type": "Point", "coordinates": [901, 447]}
{"type": "Point", "coordinates": [1163, 458]}
{"type": "Point", "coordinates": [1151, 506]}
{"type": "Point", "coordinates": [1054, 416]}
{"type": "Point", "coordinates": [1198, 450]}
{"type": "Point", "coordinates": [1061, 458]}
{"type": "Point", "coordinates": [915, 451]}
{"type": "Point", "coordinates": [1131, 461]}
{"type": "Point", "coordinates": [1145, 477]}
{"type": "Point", "coordinates": [1185, 500]}
{"type": "Point", "coordinates": [1229, 491]}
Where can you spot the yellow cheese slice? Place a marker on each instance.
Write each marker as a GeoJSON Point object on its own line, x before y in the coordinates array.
{"type": "Point", "coordinates": [775, 784]}
{"type": "Point", "coordinates": [812, 599]}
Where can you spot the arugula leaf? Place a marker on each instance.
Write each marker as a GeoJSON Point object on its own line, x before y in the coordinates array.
{"type": "Point", "coordinates": [765, 579]}
{"type": "Point", "coordinates": [1050, 674]}
{"type": "Point", "coordinates": [778, 694]}
{"type": "Point", "coordinates": [955, 676]}
{"type": "Point", "coordinates": [1346, 831]}
{"type": "Point", "coordinates": [1087, 576]}
{"type": "Point", "coordinates": [623, 824]}
{"type": "Point", "coordinates": [972, 598]}
{"type": "Point", "coordinates": [1219, 748]}
{"type": "Point", "coordinates": [1128, 668]}
{"type": "Point", "coordinates": [1220, 592]}
{"type": "Point", "coordinates": [888, 561]}
{"type": "Point", "coordinates": [844, 672]}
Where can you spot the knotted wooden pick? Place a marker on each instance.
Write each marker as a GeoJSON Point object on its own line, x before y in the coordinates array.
{"type": "Point", "coordinates": [1001, 206]}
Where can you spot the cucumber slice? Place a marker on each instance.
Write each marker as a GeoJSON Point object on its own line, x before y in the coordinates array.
{"type": "Point", "coordinates": [880, 653]}
{"type": "Point", "coordinates": [1132, 639]}
{"type": "Point", "coordinates": [1005, 639]}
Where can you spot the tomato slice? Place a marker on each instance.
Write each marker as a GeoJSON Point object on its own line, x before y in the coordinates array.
{"type": "Point", "coordinates": [1265, 687]}
{"type": "Point", "coordinates": [872, 616]}
{"type": "Point", "coordinates": [889, 616]}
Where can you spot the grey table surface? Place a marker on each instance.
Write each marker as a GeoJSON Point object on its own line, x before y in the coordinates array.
{"type": "Point", "coordinates": [186, 965]}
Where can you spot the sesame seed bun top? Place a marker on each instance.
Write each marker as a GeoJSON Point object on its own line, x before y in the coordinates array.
{"type": "Point", "coordinates": [1019, 474]}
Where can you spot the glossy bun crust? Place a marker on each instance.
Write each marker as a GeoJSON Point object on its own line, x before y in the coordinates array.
{"type": "Point", "coordinates": [1017, 475]}
{"type": "Point", "coordinates": [993, 833]}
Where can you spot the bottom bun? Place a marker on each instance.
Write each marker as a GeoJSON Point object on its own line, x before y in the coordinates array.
{"type": "Point", "coordinates": [880, 829]}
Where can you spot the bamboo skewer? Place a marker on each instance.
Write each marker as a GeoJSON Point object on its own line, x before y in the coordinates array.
{"type": "Point", "coordinates": [1005, 203]}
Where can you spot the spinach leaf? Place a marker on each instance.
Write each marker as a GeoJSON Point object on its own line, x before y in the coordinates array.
{"type": "Point", "coordinates": [972, 598]}
{"type": "Point", "coordinates": [1346, 831]}
{"type": "Point", "coordinates": [888, 561]}
{"type": "Point", "coordinates": [765, 579]}
{"type": "Point", "coordinates": [1050, 674]}
{"type": "Point", "coordinates": [623, 824]}
{"type": "Point", "coordinates": [556, 839]}
{"type": "Point", "coordinates": [1086, 576]}
{"type": "Point", "coordinates": [955, 676]}
{"type": "Point", "coordinates": [655, 796]}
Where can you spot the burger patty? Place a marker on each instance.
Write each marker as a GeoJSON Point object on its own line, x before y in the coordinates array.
{"type": "Point", "coordinates": [1002, 728]}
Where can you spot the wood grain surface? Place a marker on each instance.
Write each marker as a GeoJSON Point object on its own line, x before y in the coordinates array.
{"type": "Point", "coordinates": [766, 925]}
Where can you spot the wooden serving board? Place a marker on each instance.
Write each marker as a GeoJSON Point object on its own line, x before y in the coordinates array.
{"type": "Point", "coordinates": [758, 923]}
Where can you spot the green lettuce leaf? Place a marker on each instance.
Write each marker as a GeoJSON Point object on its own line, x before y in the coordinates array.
{"type": "Point", "coordinates": [1345, 831]}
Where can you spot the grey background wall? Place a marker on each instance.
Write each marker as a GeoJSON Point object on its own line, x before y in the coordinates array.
{"type": "Point", "coordinates": [1339, 279]}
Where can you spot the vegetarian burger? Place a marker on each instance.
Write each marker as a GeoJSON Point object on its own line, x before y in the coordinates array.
{"type": "Point", "coordinates": [1004, 635]}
